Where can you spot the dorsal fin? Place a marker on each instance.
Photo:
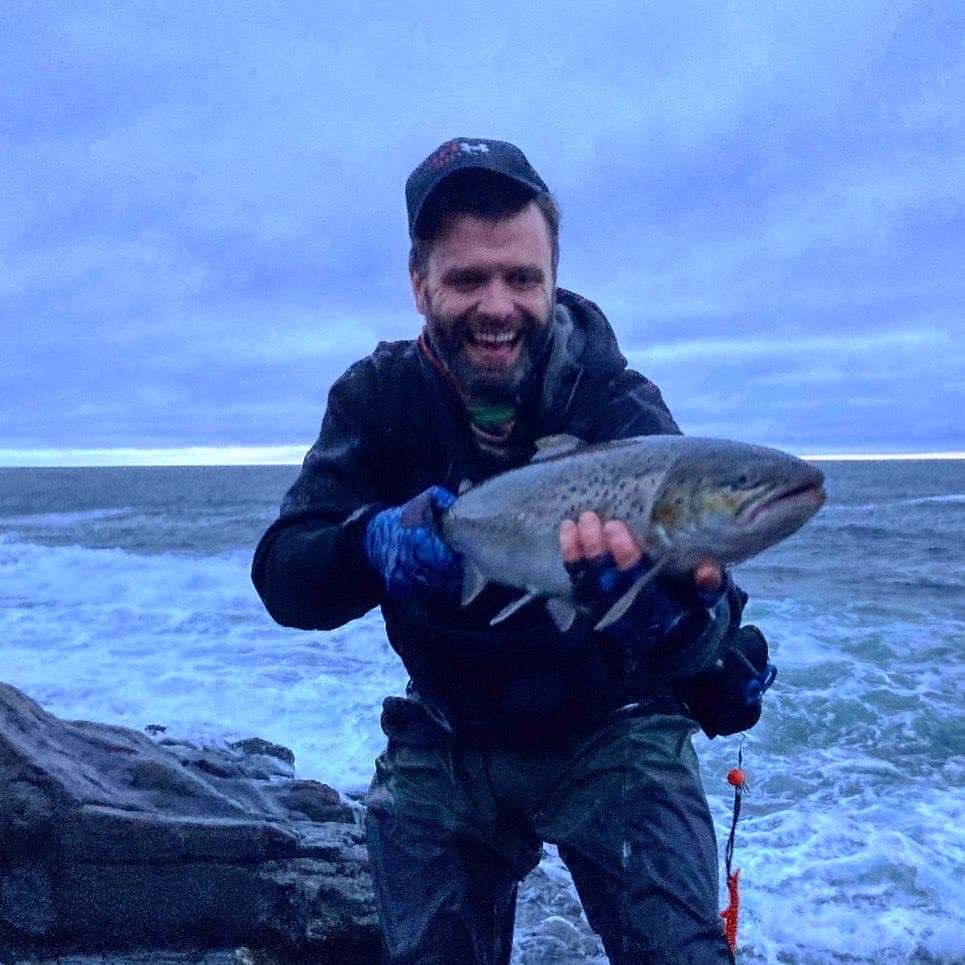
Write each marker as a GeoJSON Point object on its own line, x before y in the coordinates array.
{"type": "Point", "coordinates": [463, 486]}
{"type": "Point", "coordinates": [560, 444]}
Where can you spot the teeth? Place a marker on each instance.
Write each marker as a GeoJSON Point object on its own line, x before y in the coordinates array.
{"type": "Point", "coordinates": [494, 338]}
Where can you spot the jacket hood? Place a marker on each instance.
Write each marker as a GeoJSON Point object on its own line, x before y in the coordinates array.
{"type": "Point", "coordinates": [581, 340]}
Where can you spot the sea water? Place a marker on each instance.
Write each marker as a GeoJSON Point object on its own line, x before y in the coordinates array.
{"type": "Point", "coordinates": [125, 598]}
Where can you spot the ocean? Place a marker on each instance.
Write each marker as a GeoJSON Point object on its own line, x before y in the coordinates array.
{"type": "Point", "coordinates": [125, 598]}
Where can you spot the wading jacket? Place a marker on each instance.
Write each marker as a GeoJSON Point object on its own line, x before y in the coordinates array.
{"type": "Point", "coordinates": [392, 428]}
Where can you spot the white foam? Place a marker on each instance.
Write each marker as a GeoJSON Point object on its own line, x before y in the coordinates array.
{"type": "Point", "coordinates": [853, 883]}
{"type": "Point", "coordinates": [850, 843]}
{"type": "Point", "coordinates": [951, 499]}
{"type": "Point", "coordinates": [184, 641]}
{"type": "Point", "coordinates": [65, 519]}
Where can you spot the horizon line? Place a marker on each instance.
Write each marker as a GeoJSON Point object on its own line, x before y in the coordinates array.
{"type": "Point", "coordinates": [293, 455]}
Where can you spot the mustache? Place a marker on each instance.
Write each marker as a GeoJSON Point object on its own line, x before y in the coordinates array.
{"type": "Point", "coordinates": [472, 321]}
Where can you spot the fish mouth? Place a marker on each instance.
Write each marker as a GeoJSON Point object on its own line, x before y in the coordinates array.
{"type": "Point", "coordinates": [804, 500]}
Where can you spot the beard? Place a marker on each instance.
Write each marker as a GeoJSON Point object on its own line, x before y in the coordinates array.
{"type": "Point", "coordinates": [489, 381]}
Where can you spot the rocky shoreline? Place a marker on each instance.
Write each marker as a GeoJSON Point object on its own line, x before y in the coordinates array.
{"type": "Point", "coordinates": [119, 847]}
{"type": "Point", "coordinates": [112, 840]}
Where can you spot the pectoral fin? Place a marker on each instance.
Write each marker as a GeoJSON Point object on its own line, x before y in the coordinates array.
{"type": "Point", "coordinates": [473, 582]}
{"type": "Point", "coordinates": [623, 604]}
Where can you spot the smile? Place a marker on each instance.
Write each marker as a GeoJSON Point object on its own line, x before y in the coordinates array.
{"type": "Point", "coordinates": [493, 339]}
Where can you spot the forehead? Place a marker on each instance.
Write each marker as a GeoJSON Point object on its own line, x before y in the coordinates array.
{"type": "Point", "coordinates": [523, 238]}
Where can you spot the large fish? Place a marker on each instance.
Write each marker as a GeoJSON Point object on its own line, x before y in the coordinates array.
{"type": "Point", "coordinates": [684, 498]}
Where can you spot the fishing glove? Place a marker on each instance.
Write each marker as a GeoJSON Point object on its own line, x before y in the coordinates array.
{"type": "Point", "coordinates": [405, 548]}
{"type": "Point", "coordinates": [666, 619]}
{"type": "Point", "coordinates": [672, 629]}
{"type": "Point", "coordinates": [720, 670]}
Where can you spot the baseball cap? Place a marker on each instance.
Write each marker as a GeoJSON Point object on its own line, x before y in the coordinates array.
{"type": "Point", "coordinates": [462, 154]}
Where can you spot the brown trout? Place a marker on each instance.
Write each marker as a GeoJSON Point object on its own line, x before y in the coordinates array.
{"type": "Point", "coordinates": [684, 498]}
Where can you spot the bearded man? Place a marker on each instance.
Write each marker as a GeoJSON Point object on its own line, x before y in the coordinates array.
{"type": "Point", "coordinates": [519, 733]}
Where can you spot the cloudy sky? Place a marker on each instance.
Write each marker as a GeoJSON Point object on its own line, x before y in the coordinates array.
{"type": "Point", "coordinates": [202, 218]}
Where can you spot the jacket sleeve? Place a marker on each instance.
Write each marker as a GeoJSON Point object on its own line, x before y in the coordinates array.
{"type": "Point", "coordinates": [310, 567]}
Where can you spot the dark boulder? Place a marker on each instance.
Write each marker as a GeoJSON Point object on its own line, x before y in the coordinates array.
{"type": "Point", "coordinates": [111, 841]}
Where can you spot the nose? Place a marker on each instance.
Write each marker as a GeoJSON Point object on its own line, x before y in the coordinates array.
{"type": "Point", "coordinates": [496, 300]}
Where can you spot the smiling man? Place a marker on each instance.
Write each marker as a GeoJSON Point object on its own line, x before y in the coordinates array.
{"type": "Point", "coordinates": [515, 733]}
{"type": "Point", "coordinates": [486, 293]}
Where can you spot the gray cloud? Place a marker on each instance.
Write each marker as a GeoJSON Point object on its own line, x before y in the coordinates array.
{"type": "Point", "coordinates": [201, 217]}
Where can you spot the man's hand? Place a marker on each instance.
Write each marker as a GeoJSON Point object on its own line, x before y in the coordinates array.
{"type": "Point", "coordinates": [404, 546]}
{"type": "Point", "coordinates": [590, 539]}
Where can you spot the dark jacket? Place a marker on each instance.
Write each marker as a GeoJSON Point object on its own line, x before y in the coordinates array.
{"type": "Point", "coordinates": [393, 427]}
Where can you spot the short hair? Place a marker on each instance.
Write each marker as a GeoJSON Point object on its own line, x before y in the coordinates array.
{"type": "Point", "coordinates": [482, 194]}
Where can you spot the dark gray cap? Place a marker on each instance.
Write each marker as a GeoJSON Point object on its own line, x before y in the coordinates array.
{"type": "Point", "coordinates": [462, 154]}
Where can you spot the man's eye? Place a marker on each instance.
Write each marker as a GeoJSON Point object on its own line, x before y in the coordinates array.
{"type": "Point", "coordinates": [524, 279]}
{"type": "Point", "coordinates": [467, 282]}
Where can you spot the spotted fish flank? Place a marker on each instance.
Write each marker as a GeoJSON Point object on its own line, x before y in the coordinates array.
{"type": "Point", "coordinates": [684, 498]}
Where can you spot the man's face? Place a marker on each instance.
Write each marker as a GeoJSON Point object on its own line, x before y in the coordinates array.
{"type": "Point", "coordinates": [487, 297]}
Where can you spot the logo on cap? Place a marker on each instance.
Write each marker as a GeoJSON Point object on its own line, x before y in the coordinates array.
{"type": "Point", "coordinates": [451, 148]}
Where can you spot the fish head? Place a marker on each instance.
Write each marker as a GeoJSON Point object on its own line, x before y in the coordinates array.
{"type": "Point", "coordinates": [730, 501]}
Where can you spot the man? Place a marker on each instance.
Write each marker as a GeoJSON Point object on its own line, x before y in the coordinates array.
{"type": "Point", "coordinates": [516, 733]}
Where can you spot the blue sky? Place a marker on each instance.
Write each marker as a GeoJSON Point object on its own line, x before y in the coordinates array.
{"type": "Point", "coordinates": [202, 218]}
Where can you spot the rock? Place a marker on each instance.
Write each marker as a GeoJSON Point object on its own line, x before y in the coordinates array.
{"type": "Point", "coordinates": [112, 843]}
{"type": "Point", "coordinates": [120, 849]}
{"type": "Point", "coordinates": [255, 745]}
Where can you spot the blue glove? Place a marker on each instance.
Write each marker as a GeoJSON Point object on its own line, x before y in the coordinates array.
{"type": "Point", "coordinates": [404, 546]}
{"type": "Point", "coordinates": [666, 616]}
{"type": "Point", "coordinates": [720, 669]}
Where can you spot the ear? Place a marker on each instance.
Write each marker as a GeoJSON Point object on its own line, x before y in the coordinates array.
{"type": "Point", "coordinates": [418, 290]}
